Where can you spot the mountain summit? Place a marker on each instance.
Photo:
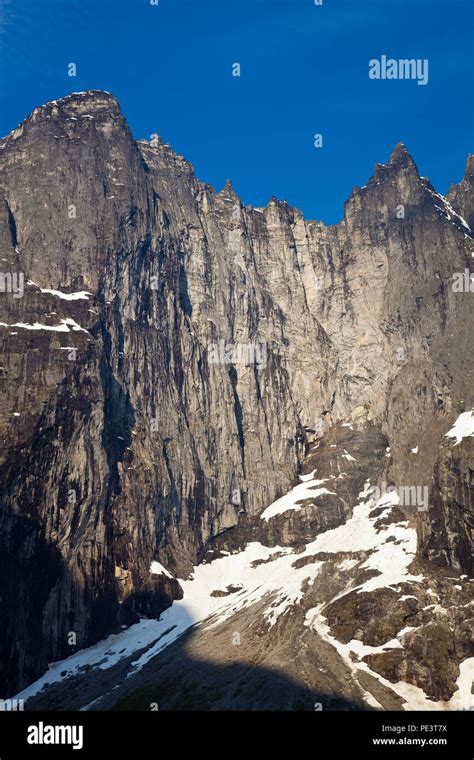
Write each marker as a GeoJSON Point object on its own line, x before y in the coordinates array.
{"type": "Point", "coordinates": [230, 420]}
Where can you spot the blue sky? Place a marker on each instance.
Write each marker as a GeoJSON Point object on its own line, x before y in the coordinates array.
{"type": "Point", "coordinates": [304, 70]}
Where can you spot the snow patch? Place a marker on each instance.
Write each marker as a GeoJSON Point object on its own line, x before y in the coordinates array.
{"type": "Point", "coordinates": [80, 295]}
{"type": "Point", "coordinates": [448, 210]}
{"type": "Point", "coordinates": [261, 572]}
{"type": "Point", "coordinates": [305, 490]}
{"type": "Point", "coordinates": [349, 457]}
{"type": "Point", "coordinates": [157, 569]}
{"type": "Point", "coordinates": [463, 427]}
{"type": "Point", "coordinates": [62, 327]}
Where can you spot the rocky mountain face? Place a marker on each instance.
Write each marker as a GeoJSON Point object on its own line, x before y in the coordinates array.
{"type": "Point", "coordinates": [173, 363]}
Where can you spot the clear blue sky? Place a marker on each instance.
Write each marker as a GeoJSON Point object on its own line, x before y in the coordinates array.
{"type": "Point", "coordinates": [304, 70]}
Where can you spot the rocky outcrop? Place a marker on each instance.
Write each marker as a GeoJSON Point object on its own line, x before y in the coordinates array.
{"type": "Point", "coordinates": [346, 619]}
{"type": "Point", "coordinates": [449, 538]}
{"type": "Point", "coordinates": [461, 195]}
{"type": "Point", "coordinates": [176, 357]}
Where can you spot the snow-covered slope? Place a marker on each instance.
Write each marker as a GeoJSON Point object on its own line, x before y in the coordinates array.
{"type": "Point", "coordinates": [369, 552]}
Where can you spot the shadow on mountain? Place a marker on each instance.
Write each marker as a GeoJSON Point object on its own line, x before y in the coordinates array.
{"type": "Point", "coordinates": [29, 567]}
{"type": "Point", "coordinates": [176, 681]}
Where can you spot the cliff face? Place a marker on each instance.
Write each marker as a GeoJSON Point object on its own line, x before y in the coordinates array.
{"type": "Point", "coordinates": [175, 357]}
{"type": "Point", "coordinates": [461, 195]}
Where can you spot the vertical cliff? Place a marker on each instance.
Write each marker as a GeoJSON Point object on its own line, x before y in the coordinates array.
{"type": "Point", "coordinates": [175, 355]}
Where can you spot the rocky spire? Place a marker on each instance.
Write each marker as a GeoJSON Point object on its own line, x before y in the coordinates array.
{"type": "Point", "coordinates": [400, 158]}
{"type": "Point", "coordinates": [461, 195]}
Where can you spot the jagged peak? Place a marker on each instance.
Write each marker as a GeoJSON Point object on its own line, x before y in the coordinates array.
{"type": "Point", "coordinates": [155, 141]}
{"type": "Point", "coordinates": [89, 94]}
{"type": "Point", "coordinates": [467, 179]}
{"type": "Point", "coordinates": [74, 102]}
{"type": "Point", "coordinates": [274, 201]}
{"type": "Point", "coordinates": [469, 170]}
{"type": "Point", "coordinates": [399, 153]}
{"type": "Point", "coordinates": [228, 191]}
{"type": "Point", "coordinates": [460, 194]}
{"type": "Point", "coordinates": [400, 158]}
{"type": "Point", "coordinates": [92, 99]}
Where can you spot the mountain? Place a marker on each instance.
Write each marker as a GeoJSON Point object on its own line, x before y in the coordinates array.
{"type": "Point", "coordinates": [251, 426]}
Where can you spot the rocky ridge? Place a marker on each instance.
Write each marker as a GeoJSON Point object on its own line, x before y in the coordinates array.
{"type": "Point", "coordinates": [126, 443]}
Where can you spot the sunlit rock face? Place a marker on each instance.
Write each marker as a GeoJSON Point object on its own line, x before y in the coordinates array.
{"type": "Point", "coordinates": [172, 360]}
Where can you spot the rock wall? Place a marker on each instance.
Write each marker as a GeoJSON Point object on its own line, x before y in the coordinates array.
{"type": "Point", "coordinates": [130, 433]}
